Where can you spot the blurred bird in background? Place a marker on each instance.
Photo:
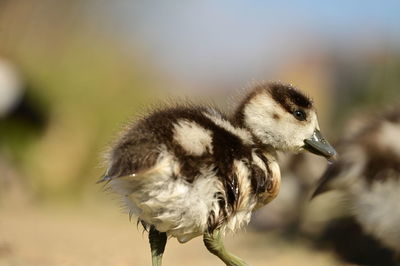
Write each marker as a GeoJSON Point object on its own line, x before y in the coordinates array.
{"type": "Point", "coordinates": [367, 175]}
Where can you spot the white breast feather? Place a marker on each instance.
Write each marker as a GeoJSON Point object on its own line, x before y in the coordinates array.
{"type": "Point", "coordinates": [246, 202]}
{"type": "Point", "coordinates": [171, 204]}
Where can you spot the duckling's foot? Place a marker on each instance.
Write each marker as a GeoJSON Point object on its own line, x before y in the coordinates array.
{"type": "Point", "coordinates": [214, 244]}
{"type": "Point", "coordinates": [157, 240]}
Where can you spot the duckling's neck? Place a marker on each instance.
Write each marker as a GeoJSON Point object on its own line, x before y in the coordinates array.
{"type": "Point", "coordinates": [237, 120]}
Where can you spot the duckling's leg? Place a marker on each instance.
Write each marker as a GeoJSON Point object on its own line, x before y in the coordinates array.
{"type": "Point", "coordinates": [157, 240]}
{"type": "Point", "coordinates": [214, 244]}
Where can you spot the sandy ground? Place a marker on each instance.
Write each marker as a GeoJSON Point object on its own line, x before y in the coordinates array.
{"type": "Point", "coordinates": [53, 236]}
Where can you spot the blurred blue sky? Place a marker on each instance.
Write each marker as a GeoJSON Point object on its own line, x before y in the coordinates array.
{"type": "Point", "coordinates": [239, 40]}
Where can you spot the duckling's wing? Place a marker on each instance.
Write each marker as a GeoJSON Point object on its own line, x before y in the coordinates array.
{"type": "Point", "coordinates": [141, 174]}
{"type": "Point", "coordinates": [123, 183]}
{"type": "Point", "coordinates": [126, 184]}
{"type": "Point", "coordinates": [135, 157]}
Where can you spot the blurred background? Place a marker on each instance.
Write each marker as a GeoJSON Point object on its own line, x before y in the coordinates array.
{"type": "Point", "coordinates": [72, 73]}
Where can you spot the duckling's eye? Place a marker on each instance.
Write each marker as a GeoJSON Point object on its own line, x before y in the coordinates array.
{"type": "Point", "coordinates": [299, 115]}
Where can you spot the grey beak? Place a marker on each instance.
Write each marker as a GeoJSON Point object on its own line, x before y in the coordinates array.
{"type": "Point", "coordinates": [318, 145]}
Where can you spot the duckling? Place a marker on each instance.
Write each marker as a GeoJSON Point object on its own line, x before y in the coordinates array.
{"type": "Point", "coordinates": [189, 171]}
{"type": "Point", "coordinates": [368, 176]}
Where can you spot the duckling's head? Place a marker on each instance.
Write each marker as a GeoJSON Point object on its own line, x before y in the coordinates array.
{"type": "Point", "coordinates": [281, 116]}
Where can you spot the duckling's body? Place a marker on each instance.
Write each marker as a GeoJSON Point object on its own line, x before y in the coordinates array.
{"type": "Point", "coordinates": [368, 175]}
{"type": "Point", "coordinates": [188, 171]}
{"type": "Point", "coordinates": [194, 171]}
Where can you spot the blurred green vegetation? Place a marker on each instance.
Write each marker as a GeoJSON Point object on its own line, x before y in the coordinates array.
{"type": "Point", "coordinates": [82, 85]}
{"type": "Point", "coordinates": [372, 84]}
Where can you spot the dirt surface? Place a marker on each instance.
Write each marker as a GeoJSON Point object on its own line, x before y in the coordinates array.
{"type": "Point", "coordinates": [53, 236]}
